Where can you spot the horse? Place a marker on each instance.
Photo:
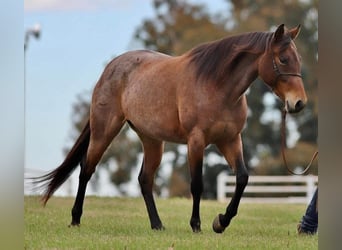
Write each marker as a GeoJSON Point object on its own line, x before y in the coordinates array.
{"type": "Point", "coordinates": [197, 98]}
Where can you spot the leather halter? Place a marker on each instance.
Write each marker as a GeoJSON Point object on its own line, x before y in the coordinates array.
{"type": "Point", "coordinates": [279, 73]}
{"type": "Point", "coordinates": [283, 126]}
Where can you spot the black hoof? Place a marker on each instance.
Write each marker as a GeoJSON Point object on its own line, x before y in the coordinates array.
{"type": "Point", "coordinates": [196, 229]}
{"type": "Point", "coordinates": [195, 225]}
{"type": "Point", "coordinates": [73, 224]}
{"type": "Point", "coordinates": [217, 227]}
{"type": "Point", "coordinates": [158, 228]}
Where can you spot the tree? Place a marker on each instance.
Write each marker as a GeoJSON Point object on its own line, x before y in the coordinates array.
{"type": "Point", "coordinates": [178, 27]}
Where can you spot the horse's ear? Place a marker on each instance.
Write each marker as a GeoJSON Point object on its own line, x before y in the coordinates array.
{"type": "Point", "coordinates": [294, 32]}
{"type": "Point", "coordinates": [279, 33]}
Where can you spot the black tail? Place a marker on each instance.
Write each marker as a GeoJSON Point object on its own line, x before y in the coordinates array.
{"type": "Point", "coordinates": [53, 180]}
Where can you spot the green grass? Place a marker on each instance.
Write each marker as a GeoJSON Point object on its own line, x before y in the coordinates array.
{"type": "Point", "coordinates": [122, 223]}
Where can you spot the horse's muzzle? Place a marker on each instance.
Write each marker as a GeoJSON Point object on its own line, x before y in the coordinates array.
{"type": "Point", "coordinates": [298, 106]}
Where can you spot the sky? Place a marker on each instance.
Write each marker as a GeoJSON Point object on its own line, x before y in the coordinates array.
{"type": "Point", "coordinates": [77, 39]}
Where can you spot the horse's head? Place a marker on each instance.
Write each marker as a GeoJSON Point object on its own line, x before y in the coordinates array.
{"type": "Point", "coordinates": [280, 68]}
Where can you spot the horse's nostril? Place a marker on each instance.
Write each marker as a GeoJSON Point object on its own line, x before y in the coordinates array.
{"type": "Point", "coordinates": [299, 105]}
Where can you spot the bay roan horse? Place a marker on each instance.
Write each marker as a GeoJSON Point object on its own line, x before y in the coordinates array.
{"type": "Point", "coordinates": [197, 99]}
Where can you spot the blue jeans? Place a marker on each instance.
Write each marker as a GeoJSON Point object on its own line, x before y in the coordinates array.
{"type": "Point", "coordinates": [309, 223]}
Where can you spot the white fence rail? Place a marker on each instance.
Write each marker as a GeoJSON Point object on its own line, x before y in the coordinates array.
{"type": "Point", "coordinates": [269, 189]}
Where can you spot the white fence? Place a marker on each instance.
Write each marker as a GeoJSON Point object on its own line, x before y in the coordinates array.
{"type": "Point", "coordinates": [269, 189]}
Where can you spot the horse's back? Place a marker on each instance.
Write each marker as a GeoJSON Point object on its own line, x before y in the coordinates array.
{"type": "Point", "coordinates": [118, 74]}
{"type": "Point", "coordinates": [123, 65]}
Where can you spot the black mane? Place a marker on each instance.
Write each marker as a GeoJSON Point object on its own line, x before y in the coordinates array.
{"type": "Point", "coordinates": [216, 60]}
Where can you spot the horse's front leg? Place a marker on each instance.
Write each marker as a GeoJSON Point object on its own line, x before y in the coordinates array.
{"type": "Point", "coordinates": [233, 153]}
{"type": "Point", "coordinates": [196, 147]}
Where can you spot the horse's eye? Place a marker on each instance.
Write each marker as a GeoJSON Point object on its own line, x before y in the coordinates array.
{"type": "Point", "coordinates": [283, 60]}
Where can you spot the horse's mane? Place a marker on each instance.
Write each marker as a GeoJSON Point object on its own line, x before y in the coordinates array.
{"type": "Point", "coordinates": [216, 60]}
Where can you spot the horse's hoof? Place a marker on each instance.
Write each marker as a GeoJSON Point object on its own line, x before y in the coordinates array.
{"type": "Point", "coordinates": [158, 228]}
{"type": "Point", "coordinates": [195, 225]}
{"type": "Point", "coordinates": [74, 224]}
{"type": "Point", "coordinates": [217, 227]}
{"type": "Point", "coordinates": [197, 230]}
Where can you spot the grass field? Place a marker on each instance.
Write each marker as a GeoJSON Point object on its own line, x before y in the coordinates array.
{"type": "Point", "coordinates": [122, 223]}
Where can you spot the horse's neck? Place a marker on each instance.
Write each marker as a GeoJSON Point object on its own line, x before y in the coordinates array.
{"type": "Point", "coordinates": [241, 79]}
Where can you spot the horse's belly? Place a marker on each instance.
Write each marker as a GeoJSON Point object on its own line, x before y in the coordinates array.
{"type": "Point", "coordinates": [158, 126]}
{"type": "Point", "coordinates": [154, 114]}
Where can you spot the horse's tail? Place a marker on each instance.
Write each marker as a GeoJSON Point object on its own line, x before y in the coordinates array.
{"type": "Point", "coordinates": [53, 180]}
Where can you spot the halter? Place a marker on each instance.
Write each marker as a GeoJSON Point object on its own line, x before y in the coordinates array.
{"type": "Point", "coordinates": [279, 73]}
{"type": "Point", "coordinates": [283, 129]}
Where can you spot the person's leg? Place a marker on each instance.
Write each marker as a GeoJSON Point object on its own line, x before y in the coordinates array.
{"type": "Point", "coordinates": [309, 222]}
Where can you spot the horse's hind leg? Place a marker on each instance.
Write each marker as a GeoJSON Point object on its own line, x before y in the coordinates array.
{"type": "Point", "coordinates": [153, 151]}
{"type": "Point", "coordinates": [233, 153]}
{"type": "Point", "coordinates": [101, 135]}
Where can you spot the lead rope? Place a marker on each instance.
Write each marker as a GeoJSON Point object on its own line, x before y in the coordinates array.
{"type": "Point", "coordinates": [283, 146]}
